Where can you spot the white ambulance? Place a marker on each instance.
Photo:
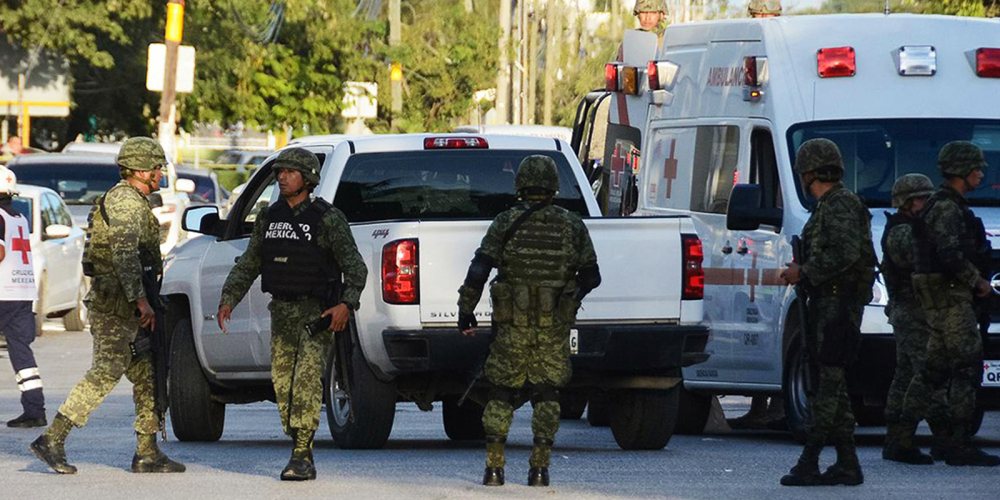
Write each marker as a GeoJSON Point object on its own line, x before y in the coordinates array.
{"type": "Point", "coordinates": [723, 109]}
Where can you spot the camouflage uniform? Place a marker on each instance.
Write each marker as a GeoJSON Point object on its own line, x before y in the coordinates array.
{"type": "Point", "coordinates": [764, 8]}
{"type": "Point", "coordinates": [838, 272]}
{"type": "Point", "coordinates": [535, 298]}
{"type": "Point", "coordinates": [907, 393]}
{"type": "Point", "coordinates": [649, 6]}
{"type": "Point", "coordinates": [950, 236]}
{"type": "Point", "coordinates": [124, 238]}
{"type": "Point", "coordinates": [297, 358]}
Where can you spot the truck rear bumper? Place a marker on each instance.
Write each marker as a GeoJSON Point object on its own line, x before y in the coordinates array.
{"type": "Point", "coordinates": [631, 348]}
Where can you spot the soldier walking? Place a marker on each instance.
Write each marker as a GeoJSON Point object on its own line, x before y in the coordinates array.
{"type": "Point", "coordinates": [838, 271]}
{"type": "Point", "coordinates": [908, 393]}
{"type": "Point", "coordinates": [546, 266]}
{"type": "Point", "coordinates": [123, 243]}
{"type": "Point", "coordinates": [304, 252]}
{"type": "Point", "coordinates": [949, 238]}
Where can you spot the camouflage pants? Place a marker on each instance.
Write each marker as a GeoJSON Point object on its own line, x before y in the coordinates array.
{"type": "Point", "coordinates": [112, 359]}
{"type": "Point", "coordinates": [297, 363]}
{"type": "Point", "coordinates": [954, 359]}
{"type": "Point", "coordinates": [830, 419]}
{"type": "Point", "coordinates": [529, 355]}
{"type": "Point", "coordinates": [909, 399]}
{"type": "Point", "coordinates": [498, 416]}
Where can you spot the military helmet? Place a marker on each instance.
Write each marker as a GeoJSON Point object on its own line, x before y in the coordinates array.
{"type": "Point", "coordinates": [910, 186]}
{"type": "Point", "coordinates": [141, 154]}
{"type": "Point", "coordinates": [537, 171]}
{"type": "Point", "coordinates": [305, 162]}
{"type": "Point", "coordinates": [960, 158]}
{"type": "Point", "coordinates": [649, 6]}
{"type": "Point", "coordinates": [821, 156]}
{"type": "Point", "coordinates": [764, 7]}
{"type": "Point", "coordinates": [8, 181]}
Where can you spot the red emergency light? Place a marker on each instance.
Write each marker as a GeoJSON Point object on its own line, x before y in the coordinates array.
{"type": "Point", "coordinates": [611, 77]}
{"type": "Point", "coordinates": [988, 62]}
{"type": "Point", "coordinates": [455, 143]}
{"type": "Point", "coordinates": [750, 72]}
{"type": "Point", "coordinates": [835, 62]}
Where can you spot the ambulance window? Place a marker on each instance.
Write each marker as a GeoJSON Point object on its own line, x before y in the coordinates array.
{"type": "Point", "coordinates": [714, 170]}
{"type": "Point", "coordinates": [764, 167]}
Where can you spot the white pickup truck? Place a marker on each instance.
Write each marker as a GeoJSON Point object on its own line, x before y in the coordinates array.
{"type": "Point", "coordinates": [418, 207]}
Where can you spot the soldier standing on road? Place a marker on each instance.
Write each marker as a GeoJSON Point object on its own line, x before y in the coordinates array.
{"type": "Point", "coordinates": [17, 291]}
{"type": "Point", "coordinates": [300, 247]}
{"type": "Point", "coordinates": [949, 238]}
{"type": "Point", "coordinates": [838, 271]}
{"type": "Point", "coordinates": [908, 392]}
{"type": "Point", "coordinates": [124, 242]}
{"type": "Point", "coordinates": [764, 8]}
{"type": "Point", "coordinates": [546, 266]}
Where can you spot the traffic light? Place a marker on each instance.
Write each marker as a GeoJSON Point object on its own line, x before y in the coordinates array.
{"type": "Point", "coordinates": [175, 21]}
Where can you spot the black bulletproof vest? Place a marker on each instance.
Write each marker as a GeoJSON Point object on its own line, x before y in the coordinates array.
{"type": "Point", "coordinates": [291, 260]}
{"type": "Point", "coordinates": [975, 246]}
{"type": "Point", "coordinates": [898, 279]}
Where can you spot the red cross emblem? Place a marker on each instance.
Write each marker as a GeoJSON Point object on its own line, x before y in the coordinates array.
{"type": "Point", "coordinates": [670, 167]}
{"type": "Point", "coordinates": [617, 167]}
{"type": "Point", "coordinates": [21, 245]}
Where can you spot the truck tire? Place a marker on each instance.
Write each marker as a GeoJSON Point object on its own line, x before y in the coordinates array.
{"type": "Point", "coordinates": [194, 415]}
{"type": "Point", "coordinates": [644, 419]}
{"type": "Point", "coordinates": [76, 319]}
{"type": "Point", "coordinates": [572, 405]}
{"type": "Point", "coordinates": [794, 387]}
{"type": "Point", "coordinates": [360, 419]}
{"type": "Point", "coordinates": [598, 409]}
{"type": "Point", "coordinates": [693, 413]}
{"type": "Point", "coordinates": [462, 423]}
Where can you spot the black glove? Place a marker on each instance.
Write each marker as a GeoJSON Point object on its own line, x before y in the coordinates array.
{"type": "Point", "coordinates": [466, 321]}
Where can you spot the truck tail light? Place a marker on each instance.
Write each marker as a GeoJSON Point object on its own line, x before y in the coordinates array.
{"type": "Point", "coordinates": [693, 275]}
{"type": "Point", "coordinates": [400, 279]}
{"type": "Point", "coordinates": [630, 80]}
{"type": "Point", "coordinates": [653, 75]}
{"type": "Point", "coordinates": [835, 62]}
{"type": "Point", "coordinates": [988, 63]}
{"type": "Point", "coordinates": [455, 143]}
{"type": "Point", "coordinates": [611, 77]}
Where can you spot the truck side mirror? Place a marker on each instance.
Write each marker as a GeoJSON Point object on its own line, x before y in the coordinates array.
{"type": "Point", "coordinates": [746, 211]}
{"type": "Point", "coordinates": [202, 219]}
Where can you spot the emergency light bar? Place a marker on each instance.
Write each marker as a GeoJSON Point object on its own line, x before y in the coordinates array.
{"type": "Point", "coordinates": [917, 60]}
{"type": "Point", "coordinates": [835, 62]}
{"type": "Point", "coordinates": [455, 143]}
{"type": "Point", "coordinates": [988, 62]}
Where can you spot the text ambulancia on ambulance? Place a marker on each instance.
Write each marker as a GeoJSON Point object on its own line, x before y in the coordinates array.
{"type": "Point", "coordinates": [725, 106]}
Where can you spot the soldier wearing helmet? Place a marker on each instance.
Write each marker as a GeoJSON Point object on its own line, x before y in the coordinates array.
{"type": "Point", "coordinates": [123, 245]}
{"type": "Point", "coordinates": [952, 255]}
{"type": "Point", "coordinates": [17, 292]}
{"type": "Point", "coordinates": [908, 393]}
{"type": "Point", "coordinates": [764, 8]}
{"type": "Point", "coordinates": [838, 269]}
{"type": "Point", "coordinates": [546, 266]}
{"type": "Point", "coordinates": [304, 252]}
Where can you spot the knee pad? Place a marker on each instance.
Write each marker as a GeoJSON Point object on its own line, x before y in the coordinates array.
{"type": "Point", "coordinates": [544, 393]}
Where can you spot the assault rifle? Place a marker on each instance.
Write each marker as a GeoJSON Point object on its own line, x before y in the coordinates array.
{"type": "Point", "coordinates": [808, 340]}
{"type": "Point", "coordinates": [159, 346]}
{"type": "Point", "coordinates": [477, 372]}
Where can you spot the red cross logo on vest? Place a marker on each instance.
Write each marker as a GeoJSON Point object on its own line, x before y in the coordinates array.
{"type": "Point", "coordinates": [670, 167]}
{"type": "Point", "coordinates": [617, 167]}
{"type": "Point", "coordinates": [21, 245]}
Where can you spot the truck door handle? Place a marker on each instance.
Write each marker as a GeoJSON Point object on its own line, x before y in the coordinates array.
{"type": "Point", "coordinates": [727, 249]}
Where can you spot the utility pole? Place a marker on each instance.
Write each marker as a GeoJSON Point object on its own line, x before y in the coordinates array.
{"type": "Point", "coordinates": [553, 30]}
{"type": "Point", "coordinates": [518, 81]}
{"type": "Point", "coordinates": [168, 108]}
{"type": "Point", "coordinates": [395, 84]}
{"type": "Point", "coordinates": [532, 93]}
{"type": "Point", "coordinates": [503, 76]}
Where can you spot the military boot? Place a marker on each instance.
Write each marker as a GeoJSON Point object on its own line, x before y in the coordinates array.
{"type": "Point", "coordinates": [26, 421]}
{"type": "Point", "coordinates": [149, 458]}
{"type": "Point", "coordinates": [806, 471]}
{"type": "Point", "coordinates": [941, 433]}
{"type": "Point", "coordinates": [846, 470]}
{"type": "Point", "coordinates": [50, 446]}
{"type": "Point", "coordinates": [902, 449]}
{"type": "Point", "coordinates": [892, 430]}
{"type": "Point", "coordinates": [495, 461]}
{"type": "Point", "coordinates": [538, 475]}
{"type": "Point", "coordinates": [300, 466]}
{"type": "Point", "coordinates": [963, 452]}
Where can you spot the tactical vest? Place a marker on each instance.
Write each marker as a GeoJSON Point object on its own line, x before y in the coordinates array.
{"type": "Point", "coordinates": [856, 281]}
{"type": "Point", "coordinates": [898, 275]}
{"type": "Point", "coordinates": [149, 254]}
{"type": "Point", "coordinates": [975, 246]}
{"type": "Point", "coordinates": [293, 268]}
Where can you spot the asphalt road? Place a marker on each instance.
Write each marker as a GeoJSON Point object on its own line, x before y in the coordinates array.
{"type": "Point", "coordinates": [420, 461]}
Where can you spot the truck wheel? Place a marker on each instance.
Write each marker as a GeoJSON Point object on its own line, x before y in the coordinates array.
{"type": "Point", "coordinates": [76, 320]}
{"type": "Point", "coordinates": [571, 405]}
{"type": "Point", "coordinates": [867, 415]}
{"type": "Point", "coordinates": [794, 386]}
{"type": "Point", "coordinates": [194, 415]}
{"type": "Point", "coordinates": [644, 419]}
{"type": "Point", "coordinates": [598, 409]}
{"type": "Point", "coordinates": [693, 413]}
{"type": "Point", "coordinates": [462, 423]}
{"type": "Point", "coordinates": [360, 409]}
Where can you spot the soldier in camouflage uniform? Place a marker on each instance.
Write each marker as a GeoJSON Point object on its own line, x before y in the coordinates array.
{"type": "Point", "coordinates": [764, 8]}
{"type": "Point", "coordinates": [546, 266]}
{"type": "Point", "coordinates": [652, 15]}
{"type": "Point", "coordinates": [304, 252]}
{"type": "Point", "coordinates": [950, 239]}
{"type": "Point", "coordinates": [838, 271]}
{"type": "Point", "coordinates": [123, 243]}
{"type": "Point", "coordinates": [909, 325]}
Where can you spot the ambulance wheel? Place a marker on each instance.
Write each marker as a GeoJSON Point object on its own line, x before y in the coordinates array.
{"type": "Point", "coordinates": [571, 405]}
{"type": "Point", "coordinates": [462, 423]}
{"type": "Point", "coordinates": [794, 385]}
{"type": "Point", "coordinates": [644, 419]}
{"type": "Point", "coordinates": [76, 319]}
{"type": "Point", "coordinates": [360, 408]}
{"type": "Point", "coordinates": [194, 415]}
{"type": "Point", "coordinates": [694, 411]}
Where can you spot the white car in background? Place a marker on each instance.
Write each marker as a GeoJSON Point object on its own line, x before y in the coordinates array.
{"type": "Point", "coordinates": [57, 249]}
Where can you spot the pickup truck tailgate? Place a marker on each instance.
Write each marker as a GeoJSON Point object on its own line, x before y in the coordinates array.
{"type": "Point", "coordinates": [640, 260]}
